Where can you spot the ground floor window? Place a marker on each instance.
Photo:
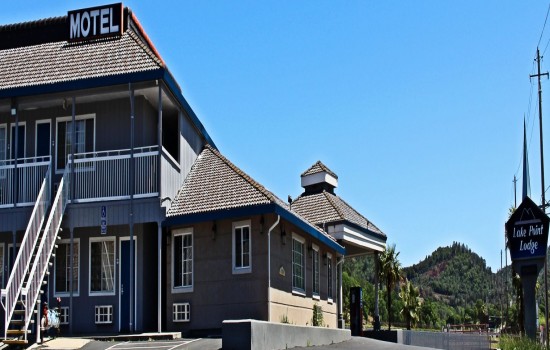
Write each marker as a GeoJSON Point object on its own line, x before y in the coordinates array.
{"type": "Point", "coordinates": [103, 314]}
{"type": "Point", "coordinates": [181, 312]}
{"type": "Point", "coordinates": [102, 266]}
{"type": "Point", "coordinates": [315, 271]}
{"type": "Point", "coordinates": [63, 267]}
{"type": "Point", "coordinates": [241, 247]}
{"type": "Point", "coordinates": [182, 259]}
{"type": "Point", "coordinates": [298, 264]}
{"type": "Point", "coordinates": [329, 276]}
{"type": "Point", "coordinates": [64, 315]}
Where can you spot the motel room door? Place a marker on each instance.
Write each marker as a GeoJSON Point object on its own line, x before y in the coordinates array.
{"type": "Point", "coordinates": [124, 288]}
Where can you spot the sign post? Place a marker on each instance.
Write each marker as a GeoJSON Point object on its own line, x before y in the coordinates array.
{"type": "Point", "coordinates": [527, 238]}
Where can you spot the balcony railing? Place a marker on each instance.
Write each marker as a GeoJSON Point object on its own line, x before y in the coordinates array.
{"type": "Point", "coordinates": [30, 173]}
{"type": "Point", "coordinates": [106, 175]}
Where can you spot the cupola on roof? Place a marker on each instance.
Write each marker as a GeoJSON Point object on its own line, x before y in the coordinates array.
{"type": "Point", "coordinates": [319, 178]}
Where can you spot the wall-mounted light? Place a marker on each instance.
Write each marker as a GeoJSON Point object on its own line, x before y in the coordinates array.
{"type": "Point", "coordinates": [283, 235]}
{"type": "Point", "coordinates": [13, 111]}
{"type": "Point", "coordinates": [214, 230]}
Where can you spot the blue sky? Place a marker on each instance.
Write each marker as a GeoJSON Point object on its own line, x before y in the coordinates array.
{"type": "Point", "coordinates": [418, 106]}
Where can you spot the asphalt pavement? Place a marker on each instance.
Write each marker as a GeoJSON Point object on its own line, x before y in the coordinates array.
{"type": "Point", "coordinates": [355, 343]}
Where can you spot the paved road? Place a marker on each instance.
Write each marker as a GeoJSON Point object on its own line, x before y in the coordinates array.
{"type": "Point", "coordinates": [355, 343]}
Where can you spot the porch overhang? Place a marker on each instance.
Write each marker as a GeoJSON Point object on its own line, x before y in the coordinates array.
{"type": "Point", "coordinates": [357, 242]}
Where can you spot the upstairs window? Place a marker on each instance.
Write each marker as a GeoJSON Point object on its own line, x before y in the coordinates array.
{"type": "Point", "coordinates": [242, 259]}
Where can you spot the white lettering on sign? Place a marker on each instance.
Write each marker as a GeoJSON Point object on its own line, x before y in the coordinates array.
{"type": "Point", "coordinates": [95, 22]}
{"type": "Point", "coordinates": [529, 246]}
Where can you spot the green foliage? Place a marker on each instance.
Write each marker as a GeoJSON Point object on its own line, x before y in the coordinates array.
{"type": "Point", "coordinates": [390, 271]}
{"type": "Point", "coordinates": [284, 319]}
{"type": "Point", "coordinates": [519, 343]}
{"type": "Point", "coordinates": [411, 303]}
{"type": "Point", "coordinates": [317, 319]}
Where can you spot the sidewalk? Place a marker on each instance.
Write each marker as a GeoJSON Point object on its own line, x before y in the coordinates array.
{"type": "Point", "coordinates": [61, 343]}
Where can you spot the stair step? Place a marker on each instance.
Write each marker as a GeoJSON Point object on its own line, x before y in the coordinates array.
{"type": "Point", "coordinates": [15, 341]}
{"type": "Point", "coordinates": [16, 332]}
{"type": "Point", "coordinates": [16, 322]}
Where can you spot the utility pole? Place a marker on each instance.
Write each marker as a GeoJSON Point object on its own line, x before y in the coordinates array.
{"type": "Point", "coordinates": [538, 75]}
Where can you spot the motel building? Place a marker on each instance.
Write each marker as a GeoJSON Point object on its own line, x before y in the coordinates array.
{"type": "Point", "coordinates": [114, 198]}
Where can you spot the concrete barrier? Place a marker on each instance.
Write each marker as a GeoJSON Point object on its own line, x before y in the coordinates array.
{"type": "Point", "coordinates": [253, 334]}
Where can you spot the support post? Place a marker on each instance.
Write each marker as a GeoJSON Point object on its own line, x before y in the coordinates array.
{"type": "Point", "coordinates": [15, 113]}
{"type": "Point", "coordinates": [341, 323]}
{"type": "Point", "coordinates": [159, 297]}
{"type": "Point", "coordinates": [132, 190]}
{"type": "Point", "coordinates": [377, 324]}
{"type": "Point", "coordinates": [71, 281]}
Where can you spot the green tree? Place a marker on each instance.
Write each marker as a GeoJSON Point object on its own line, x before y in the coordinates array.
{"type": "Point", "coordinates": [411, 303]}
{"type": "Point", "coordinates": [390, 273]}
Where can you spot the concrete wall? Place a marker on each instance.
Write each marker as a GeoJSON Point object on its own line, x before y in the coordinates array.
{"type": "Point", "coordinates": [251, 334]}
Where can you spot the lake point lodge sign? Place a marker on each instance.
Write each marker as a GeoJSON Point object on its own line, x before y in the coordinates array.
{"type": "Point", "coordinates": [527, 232]}
{"type": "Point", "coordinates": [95, 22]}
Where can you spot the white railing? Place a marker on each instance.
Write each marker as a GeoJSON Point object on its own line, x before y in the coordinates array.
{"type": "Point", "coordinates": [30, 173]}
{"type": "Point", "coordinates": [10, 294]}
{"type": "Point", "coordinates": [105, 175]}
{"type": "Point", "coordinates": [170, 175]}
{"type": "Point", "coordinates": [31, 290]}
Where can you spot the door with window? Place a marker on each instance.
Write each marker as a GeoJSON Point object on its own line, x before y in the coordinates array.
{"type": "Point", "coordinates": [20, 140]}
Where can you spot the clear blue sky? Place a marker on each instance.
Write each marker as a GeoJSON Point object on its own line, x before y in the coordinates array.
{"type": "Point", "coordinates": [416, 105]}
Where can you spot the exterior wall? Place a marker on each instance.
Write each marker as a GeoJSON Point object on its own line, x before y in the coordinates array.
{"type": "Point", "coordinates": [146, 280]}
{"type": "Point", "coordinates": [219, 295]}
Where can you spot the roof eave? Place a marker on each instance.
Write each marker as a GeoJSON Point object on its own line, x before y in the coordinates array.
{"type": "Point", "coordinates": [358, 227]}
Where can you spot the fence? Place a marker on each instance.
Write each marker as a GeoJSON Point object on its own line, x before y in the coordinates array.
{"type": "Point", "coordinates": [446, 340]}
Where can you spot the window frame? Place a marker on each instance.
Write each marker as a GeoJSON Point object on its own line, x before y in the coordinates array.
{"type": "Point", "coordinates": [183, 232]}
{"type": "Point", "coordinates": [98, 314]}
{"type": "Point", "coordinates": [315, 272]}
{"type": "Point", "coordinates": [65, 120]}
{"type": "Point", "coordinates": [241, 269]}
{"type": "Point", "coordinates": [186, 312]}
{"type": "Point", "coordinates": [330, 276]}
{"type": "Point", "coordinates": [77, 292]}
{"type": "Point", "coordinates": [297, 290]}
{"type": "Point", "coordinates": [96, 240]}
{"type": "Point", "coordinates": [6, 153]}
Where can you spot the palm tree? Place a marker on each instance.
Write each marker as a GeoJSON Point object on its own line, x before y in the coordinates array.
{"type": "Point", "coordinates": [411, 303]}
{"type": "Point", "coordinates": [390, 273]}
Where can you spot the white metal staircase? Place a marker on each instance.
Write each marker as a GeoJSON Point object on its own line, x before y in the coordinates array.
{"type": "Point", "coordinates": [20, 297]}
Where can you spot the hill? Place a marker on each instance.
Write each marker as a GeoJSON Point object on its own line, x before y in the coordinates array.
{"type": "Point", "coordinates": [454, 275]}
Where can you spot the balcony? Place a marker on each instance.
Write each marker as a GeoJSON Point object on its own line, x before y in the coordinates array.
{"type": "Point", "coordinates": [98, 176]}
{"type": "Point", "coordinates": [26, 176]}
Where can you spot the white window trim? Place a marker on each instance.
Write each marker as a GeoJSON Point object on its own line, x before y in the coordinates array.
{"type": "Point", "coordinates": [183, 232]}
{"type": "Point", "coordinates": [188, 306]}
{"type": "Point", "coordinates": [108, 308]}
{"type": "Point", "coordinates": [42, 121]}
{"type": "Point", "coordinates": [12, 137]}
{"type": "Point", "coordinates": [315, 295]}
{"type": "Point", "coordinates": [298, 291]}
{"type": "Point", "coordinates": [77, 292]}
{"type": "Point", "coordinates": [65, 119]}
{"type": "Point", "coordinates": [241, 270]}
{"type": "Point", "coordinates": [64, 311]}
{"type": "Point", "coordinates": [98, 294]}
{"type": "Point", "coordinates": [330, 283]}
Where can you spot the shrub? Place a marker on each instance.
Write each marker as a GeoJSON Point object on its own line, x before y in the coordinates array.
{"type": "Point", "coordinates": [317, 319]}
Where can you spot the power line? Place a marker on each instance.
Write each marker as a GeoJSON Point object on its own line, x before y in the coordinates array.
{"type": "Point", "coordinates": [544, 26]}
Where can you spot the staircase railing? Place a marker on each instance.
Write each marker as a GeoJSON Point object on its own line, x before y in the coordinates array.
{"type": "Point", "coordinates": [32, 289]}
{"type": "Point", "coordinates": [10, 294]}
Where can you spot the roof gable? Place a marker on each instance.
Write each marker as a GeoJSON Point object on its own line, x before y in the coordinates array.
{"type": "Point", "coordinates": [319, 167]}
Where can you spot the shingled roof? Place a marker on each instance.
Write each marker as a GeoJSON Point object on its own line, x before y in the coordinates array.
{"type": "Point", "coordinates": [324, 208]}
{"type": "Point", "coordinates": [59, 61]}
{"type": "Point", "coordinates": [318, 167]}
{"type": "Point", "coordinates": [214, 183]}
